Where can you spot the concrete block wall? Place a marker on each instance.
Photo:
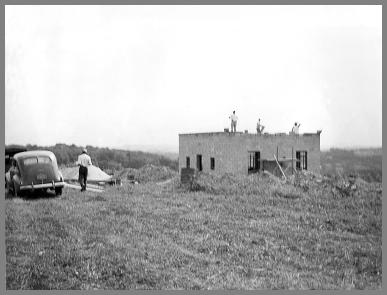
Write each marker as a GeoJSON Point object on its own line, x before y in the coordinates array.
{"type": "Point", "coordinates": [230, 150]}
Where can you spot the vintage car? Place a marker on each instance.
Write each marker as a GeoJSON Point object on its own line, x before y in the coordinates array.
{"type": "Point", "coordinates": [34, 170]}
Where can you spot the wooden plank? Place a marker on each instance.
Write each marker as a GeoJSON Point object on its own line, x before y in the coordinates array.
{"type": "Point", "coordinates": [279, 166]}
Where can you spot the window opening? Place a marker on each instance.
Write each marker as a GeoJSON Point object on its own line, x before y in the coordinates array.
{"type": "Point", "coordinates": [301, 160]}
{"type": "Point", "coordinates": [199, 165]}
{"type": "Point", "coordinates": [212, 160]}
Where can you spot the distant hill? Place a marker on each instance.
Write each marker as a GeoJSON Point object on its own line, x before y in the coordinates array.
{"type": "Point", "coordinates": [363, 162]}
{"type": "Point", "coordinates": [169, 151]}
{"type": "Point", "coordinates": [172, 156]}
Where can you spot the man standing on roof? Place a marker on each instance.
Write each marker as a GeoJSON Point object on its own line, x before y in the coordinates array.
{"type": "Point", "coordinates": [295, 128]}
{"type": "Point", "coordinates": [234, 120]}
{"type": "Point", "coordinates": [260, 127]}
{"type": "Point", "coordinates": [83, 162]}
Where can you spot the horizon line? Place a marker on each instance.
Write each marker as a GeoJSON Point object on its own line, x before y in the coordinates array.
{"type": "Point", "coordinates": [176, 147]}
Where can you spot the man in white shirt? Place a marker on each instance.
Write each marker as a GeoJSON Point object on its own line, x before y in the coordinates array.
{"type": "Point", "coordinates": [83, 162]}
{"type": "Point", "coordinates": [260, 127]}
{"type": "Point", "coordinates": [234, 120]}
{"type": "Point", "coordinates": [295, 128]}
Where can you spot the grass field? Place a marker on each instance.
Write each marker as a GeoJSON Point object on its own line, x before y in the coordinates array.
{"type": "Point", "coordinates": [224, 233]}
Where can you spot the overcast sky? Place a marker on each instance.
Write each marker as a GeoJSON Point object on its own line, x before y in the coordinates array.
{"type": "Point", "coordinates": [111, 76]}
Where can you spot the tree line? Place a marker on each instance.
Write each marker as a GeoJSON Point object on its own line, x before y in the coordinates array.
{"type": "Point", "coordinates": [364, 163]}
{"type": "Point", "coordinates": [105, 158]}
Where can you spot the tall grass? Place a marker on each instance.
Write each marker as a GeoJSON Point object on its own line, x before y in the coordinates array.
{"type": "Point", "coordinates": [228, 233]}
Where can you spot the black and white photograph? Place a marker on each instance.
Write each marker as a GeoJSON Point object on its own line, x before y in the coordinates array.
{"type": "Point", "coordinates": [193, 147]}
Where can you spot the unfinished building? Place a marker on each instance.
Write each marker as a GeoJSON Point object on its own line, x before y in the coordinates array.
{"type": "Point", "coordinates": [244, 153]}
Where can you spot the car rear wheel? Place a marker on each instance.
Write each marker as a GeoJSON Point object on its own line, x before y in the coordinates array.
{"type": "Point", "coordinates": [58, 191]}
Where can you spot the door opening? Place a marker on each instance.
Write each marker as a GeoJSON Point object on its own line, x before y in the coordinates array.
{"type": "Point", "coordinates": [254, 162]}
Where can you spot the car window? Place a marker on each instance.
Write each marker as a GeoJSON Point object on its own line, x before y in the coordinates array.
{"type": "Point", "coordinates": [44, 160]}
{"type": "Point", "coordinates": [35, 160]}
{"type": "Point", "coordinates": [30, 161]}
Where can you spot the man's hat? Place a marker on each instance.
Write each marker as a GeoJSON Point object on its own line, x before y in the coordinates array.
{"type": "Point", "coordinates": [84, 150]}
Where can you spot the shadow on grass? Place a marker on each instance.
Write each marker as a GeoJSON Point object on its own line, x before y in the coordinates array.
{"type": "Point", "coordinates": [38, 195]}
{"type": "Point", "coordinates": [30, 196]}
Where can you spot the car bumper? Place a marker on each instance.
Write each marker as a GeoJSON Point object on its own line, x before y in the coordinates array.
{"type": "Point", "coordinates": [44, 185]}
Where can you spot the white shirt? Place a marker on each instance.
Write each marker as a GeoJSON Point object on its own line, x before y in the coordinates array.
{"type": "Point", "coordinates": [295, 129]}
{"type": "Point", "coordinates": [234, 118]}
{"type": "Point", "coordinates": [84, 160]}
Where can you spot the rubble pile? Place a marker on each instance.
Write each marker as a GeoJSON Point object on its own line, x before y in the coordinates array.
{"type": "Point", "coordinates": [305, 180]}
{"type": "Point", "coordinates": [301, 182]}
{"type": "Point", "coordinates": [126, 173]}
{"type": "Point", "coordinates": [151, 172]}
{"type": "Point", "coordinates": [342, 186]}
{"type": "Point", "coordinates": [147, 173]}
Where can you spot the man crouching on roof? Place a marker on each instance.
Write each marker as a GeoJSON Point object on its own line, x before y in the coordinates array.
{"type": "Point", "coordinates": [83, 162]}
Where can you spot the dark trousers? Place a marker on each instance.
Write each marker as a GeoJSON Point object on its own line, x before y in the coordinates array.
{"type": "Point", "coordinates": [82, 177]}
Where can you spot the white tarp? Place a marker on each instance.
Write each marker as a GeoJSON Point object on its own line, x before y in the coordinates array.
{"type": "Point", "coordinates": [94, 174]}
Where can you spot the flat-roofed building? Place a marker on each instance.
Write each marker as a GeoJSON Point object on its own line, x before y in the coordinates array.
{"type": "Point", "coordinates": [244, 153]}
